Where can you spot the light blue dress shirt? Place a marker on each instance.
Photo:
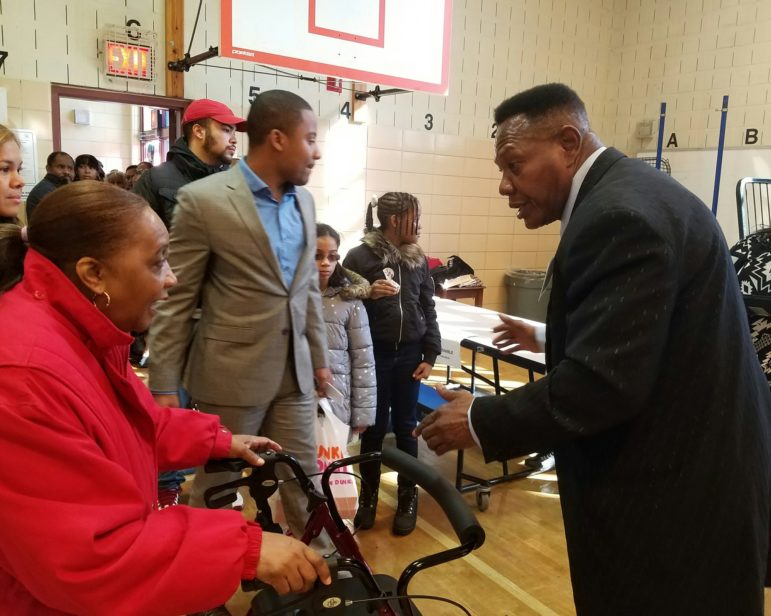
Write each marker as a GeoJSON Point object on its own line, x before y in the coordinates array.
{"type": "Point", "coordinates": [282, 222]}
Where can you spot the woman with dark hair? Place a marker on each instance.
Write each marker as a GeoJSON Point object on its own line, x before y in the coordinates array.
{"type": "Point", "coordinates": [88, 167]}
{"type": "Point", "coordinates": [349, 342]}
{"type": "Point", "coordinates": [82, 441]}
{"type": "Point", "coordinates": [11, 181]}
{"type": "Point", "coordinates": [405, 336]}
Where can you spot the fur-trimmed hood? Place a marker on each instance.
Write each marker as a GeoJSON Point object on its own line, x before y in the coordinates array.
{"type": "Point", "coordinates": [410, 255]}
{"type": "Point", "coordinates": [357, 287]}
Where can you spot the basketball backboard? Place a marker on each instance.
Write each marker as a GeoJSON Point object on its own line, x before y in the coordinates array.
{"type": "Point", "coordinates": [396, 43]}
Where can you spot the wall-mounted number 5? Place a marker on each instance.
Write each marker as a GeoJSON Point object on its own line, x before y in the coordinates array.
{"type": "Point", "coordinates": [429, 122]}
{"type": "Point", "coordinates": [253, 92]}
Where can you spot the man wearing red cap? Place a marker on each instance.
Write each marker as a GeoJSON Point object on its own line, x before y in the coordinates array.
{"type": "Point", "coordinates": [207, 146]}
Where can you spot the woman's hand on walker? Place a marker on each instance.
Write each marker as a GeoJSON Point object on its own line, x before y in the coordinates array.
{"type": "Point", "coordinates": [289, 565]}
{"type": "Point", "coordinates": [244, 446]}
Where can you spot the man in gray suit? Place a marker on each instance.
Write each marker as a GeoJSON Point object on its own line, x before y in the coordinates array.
{"type": "Point", "coordinates": [654, 401]}
{"type": "Point", "coordinates": [242, 245]}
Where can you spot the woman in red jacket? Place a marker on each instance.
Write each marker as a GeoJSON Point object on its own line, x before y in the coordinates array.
{"type": "Point", "coordinates": [82, 441]}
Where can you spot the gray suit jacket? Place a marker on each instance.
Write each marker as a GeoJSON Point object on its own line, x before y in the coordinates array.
{"type": "Point", "coordinates": [222, 257]}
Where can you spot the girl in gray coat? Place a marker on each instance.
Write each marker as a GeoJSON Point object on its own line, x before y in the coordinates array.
{"type": "Point", "coordinates": [351, 360]}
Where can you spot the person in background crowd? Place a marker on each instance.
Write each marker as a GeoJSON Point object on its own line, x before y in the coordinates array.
{"type": "Point", "coordinates": [11, 181]}
{"type": "Point", "coordinates": [60, 170]}
{"type": "Point", "coordinates": [207, 146]}
{"type": "Point", "coordinates": [752, 260]}
{"type": "Point", "coordinates": [117, 178]}
{"type": "Point", "coordinates": [131, 175]}
{"type": "Point", "coordinates": [88, 167]}
{"type": "Point", "coordinates": [87, 536]}
{"type": "Point", "coordinates": [653, 402]}
{"type": "Point", "coordinates": [406, 339]}
{"type": "Point", "coordinates": [142, 167]}
{"type": "Point", "coordinates": [350, 344]}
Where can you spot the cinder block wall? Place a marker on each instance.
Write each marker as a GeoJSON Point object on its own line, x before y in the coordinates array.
{"type": "Point", "coordinates": [624, 57]}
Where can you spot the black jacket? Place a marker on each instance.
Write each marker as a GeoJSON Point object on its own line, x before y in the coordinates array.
{"type": "Point", "coordinates": [410, 315]}
{"type": "Point", "coordinates": [160, 184]}
{"type": "Point", "coordinates": [654, 404]}
{"type": "Point", "coordinates": [47, 185]}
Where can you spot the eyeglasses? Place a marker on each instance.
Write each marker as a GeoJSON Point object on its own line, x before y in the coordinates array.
{"type": "Point", "coordinates": [332, 257]}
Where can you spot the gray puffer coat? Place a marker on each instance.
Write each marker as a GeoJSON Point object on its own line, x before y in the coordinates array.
{"type": "Point", "coordinates": [351, 360]}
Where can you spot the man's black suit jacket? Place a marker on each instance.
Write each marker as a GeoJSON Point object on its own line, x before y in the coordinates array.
{"type": "Point", "coordinates": [654, 403]}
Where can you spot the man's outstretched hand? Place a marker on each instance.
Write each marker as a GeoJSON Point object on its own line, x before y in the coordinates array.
{"type": "Point", "coordinates": [447, 427]}
{"type": "Point", "coordinates": [514, 335]}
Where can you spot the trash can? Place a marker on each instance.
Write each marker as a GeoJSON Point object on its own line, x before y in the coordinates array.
{"type": "Point", "coordinates": [523, 288]}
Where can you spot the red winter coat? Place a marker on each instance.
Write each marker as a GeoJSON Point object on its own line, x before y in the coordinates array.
{"type": "Point", "coordinates": [81, 444]}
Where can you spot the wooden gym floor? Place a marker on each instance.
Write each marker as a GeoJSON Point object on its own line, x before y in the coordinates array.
{"type": "Point", "coordinates": [521, 570]}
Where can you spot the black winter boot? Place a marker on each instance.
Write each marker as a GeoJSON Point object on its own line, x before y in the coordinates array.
{"type": "Point", "coordinates": [406, 511]}
{"type": "Point", "coordinates": [365, 515]}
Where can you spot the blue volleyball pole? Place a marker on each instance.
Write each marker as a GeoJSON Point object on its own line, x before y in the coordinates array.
{"type": "Point", "coordinates": [660, 146]}
{"type": "Point", "coordinates": [720, 146]}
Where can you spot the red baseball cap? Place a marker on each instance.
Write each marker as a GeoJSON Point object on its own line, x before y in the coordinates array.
{"type": "Point", "coordinates": [204, 108]}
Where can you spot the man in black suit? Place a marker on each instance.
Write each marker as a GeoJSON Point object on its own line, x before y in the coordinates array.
{"type": "Point", "coordinates": [654, 402]}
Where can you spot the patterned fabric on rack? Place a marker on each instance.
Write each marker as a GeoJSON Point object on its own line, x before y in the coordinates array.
{"type": "Point", "coordinates": [752, 259]}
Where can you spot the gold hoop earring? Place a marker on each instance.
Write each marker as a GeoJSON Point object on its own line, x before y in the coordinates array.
{"type": "Point", "coordinates": [107, 297]}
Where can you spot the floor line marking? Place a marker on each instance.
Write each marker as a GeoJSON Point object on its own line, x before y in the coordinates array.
{"type": "Point", "coordinates": [478, 564]}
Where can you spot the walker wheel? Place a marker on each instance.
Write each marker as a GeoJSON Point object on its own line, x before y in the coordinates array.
{"type": "Point", "coordinates": [483, 498]}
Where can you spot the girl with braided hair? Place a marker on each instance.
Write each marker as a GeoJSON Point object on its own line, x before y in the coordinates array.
{"type": "Point", "coordinates": [405, 336]}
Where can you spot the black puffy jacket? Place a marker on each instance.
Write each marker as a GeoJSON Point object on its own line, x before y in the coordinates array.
{"type": "Point", "coordinates": [160, 184]}
{"type": "Point", "coordinates": [410, 315]}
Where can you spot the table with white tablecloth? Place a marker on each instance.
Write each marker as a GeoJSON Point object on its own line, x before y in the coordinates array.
{"type": "Point", "coordinates": [470, 327]}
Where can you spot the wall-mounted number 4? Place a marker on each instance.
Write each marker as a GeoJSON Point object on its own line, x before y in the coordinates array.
{"type": "Point", "coordinates": [253, 92]}
{"type": "Point", "coordinates": [345, 110]}
{"type": "Point", "coordinates": [429, 122]}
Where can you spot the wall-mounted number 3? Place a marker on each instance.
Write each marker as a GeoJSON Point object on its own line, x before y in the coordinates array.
{"type": "Point", "coordinates": [429, 122]}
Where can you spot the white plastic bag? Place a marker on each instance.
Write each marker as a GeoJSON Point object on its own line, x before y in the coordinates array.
{"type": "Point", "coordinates": [331, 441]}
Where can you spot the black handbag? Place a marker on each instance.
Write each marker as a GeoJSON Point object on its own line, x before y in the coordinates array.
{"type": "Point", "coordinates": [455, 267]}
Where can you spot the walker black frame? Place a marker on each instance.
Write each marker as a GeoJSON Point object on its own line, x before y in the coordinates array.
{"type": "Point", "coordinates": [263, 481]}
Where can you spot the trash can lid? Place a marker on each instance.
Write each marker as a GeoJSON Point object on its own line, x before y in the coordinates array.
{"type": "Point", "coordinates": [524, 277]}
{"type": "Point", "coordinates": [525, 273]}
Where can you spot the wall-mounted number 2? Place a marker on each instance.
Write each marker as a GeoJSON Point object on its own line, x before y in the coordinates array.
{"type": "Point", "coordinates": [429, 122]}
{"type": "Point", "coordinates": [495, 130]}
